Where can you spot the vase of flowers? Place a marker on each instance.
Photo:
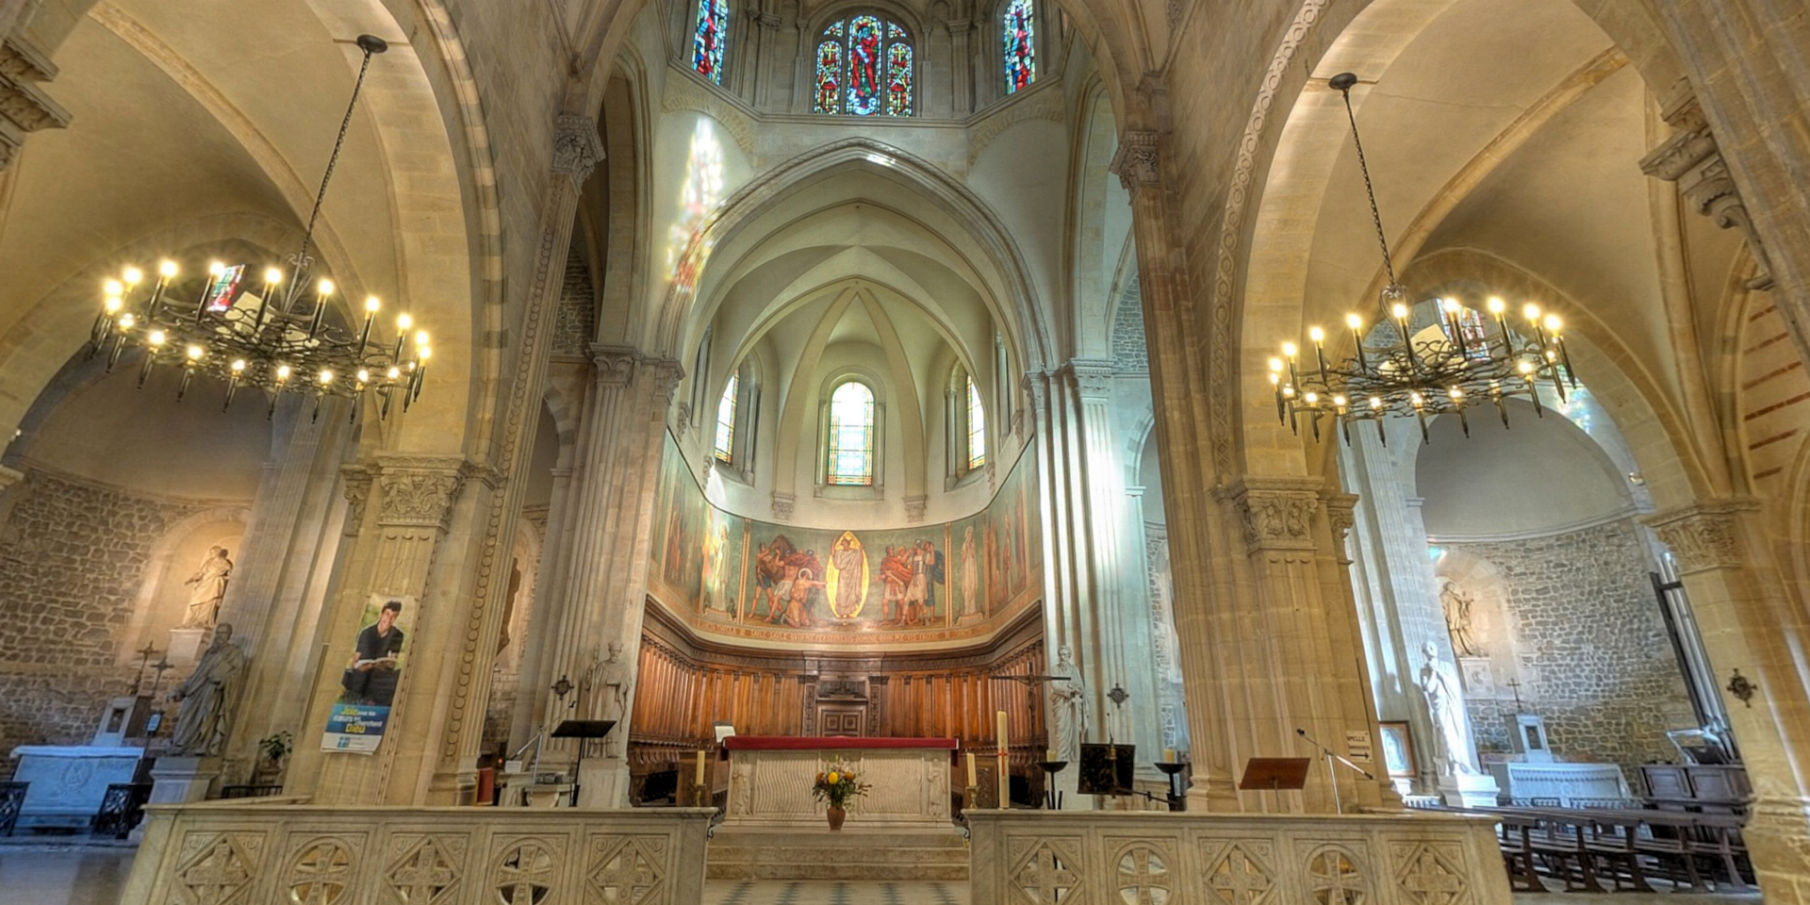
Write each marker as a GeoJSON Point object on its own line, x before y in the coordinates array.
{"type": "Point", "coordinates": [836, 786]}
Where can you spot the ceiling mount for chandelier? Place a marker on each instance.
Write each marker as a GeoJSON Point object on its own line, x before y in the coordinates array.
{"type": "Point", "coordinates": [275, 335]}
{"type": "Point", "coordinates": [1447, 366]}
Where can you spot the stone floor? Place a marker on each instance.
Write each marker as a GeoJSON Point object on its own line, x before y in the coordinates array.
{"type": "Point", "coordinates": [42, 874]}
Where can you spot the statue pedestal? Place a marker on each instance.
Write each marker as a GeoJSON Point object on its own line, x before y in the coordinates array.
{"type": "Point", "coordinates": [603, 782]}
{"type": "Point", "coordinates": [1468, 790]}
{"type": "Point", "coordinates": [185, 645]}
{"type": "Point", "coordinates": [180, 779]}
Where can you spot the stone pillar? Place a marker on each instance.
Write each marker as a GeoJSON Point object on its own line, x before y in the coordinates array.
{"type": "Point", "coordinates": [1397, 601]}
{"type": "Point", "coordinates": [430, 750]}
{"type": "Point", "coordinates": [1198, 529]}
{"type": "Point", "coordinates": [274, 597]}
{"type": "Point", "coordinates": [24, 107]}
{"type": "Point", "coordinates": [415, 498]}
{"type": "Point", "coordinates": [1291, 648]}
{"type": "Point", "coordinates": [621, 438]}
{"type": "Point", "coordinates": [1751, 627]}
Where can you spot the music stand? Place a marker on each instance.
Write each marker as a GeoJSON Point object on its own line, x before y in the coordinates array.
{"type": "Point", "coordinates": [584, 731]}
{"type": "Point", "coordinates": [1277, 774]}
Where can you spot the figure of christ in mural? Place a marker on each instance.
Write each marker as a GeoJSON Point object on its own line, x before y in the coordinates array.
{"type": "Point", "coordinates": [851, 576]}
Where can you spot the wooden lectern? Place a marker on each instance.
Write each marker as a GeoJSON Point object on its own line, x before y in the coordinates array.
{"type": "Point", "coordinates": [1275, 774]}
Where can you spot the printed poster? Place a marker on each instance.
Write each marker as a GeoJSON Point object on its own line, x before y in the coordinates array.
{"type": "Point", "coordinates": [371, 675]}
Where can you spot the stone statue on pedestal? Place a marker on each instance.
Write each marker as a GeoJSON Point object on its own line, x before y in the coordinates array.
{"type": "Point", "coordinates": [607, 683]}
{"type": "Point", "coordinates": [1457, 606]}
{"type": "Point", "coordinates": [206, 588]}
{"type": "Point", "coordinates": [1068, 707]}
{"type": "Point", "coordinates": [1452, 748]}
{"type": "Point", "coordinates": [207, 698]}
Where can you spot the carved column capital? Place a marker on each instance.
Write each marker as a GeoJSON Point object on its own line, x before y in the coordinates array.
{"type": "Point", "coordinates": [667, 374]}
{"type": "Point", "coordinates": [782, 505]}
{"type": "Point", "coordinates": [1341, 515]}
{"type": "Point", "coordinates": [614, 364]}
{"type": "Point", "coordinates": [1137, 162]}
{"type": "Point", "coordinates": [1276, 513]}
{"type": "Point", "coordinates": [1692, 159]}
{"type": "Point", "coordinates": [357, 486]}
{"type": "Point", "coordinates": [24, 107]}
{"type": "Point", "coordinates": [419, 491]}
{"type": "Point", "coordinates": [1092, 377]}
{"type": "Point", "coordinates": [576, 147]}
{"type": "Point", "coordinates": [1703, 536]}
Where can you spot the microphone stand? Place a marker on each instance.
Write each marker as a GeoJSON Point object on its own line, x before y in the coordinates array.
{"type": "Point", "coordinates": [1330, 775]}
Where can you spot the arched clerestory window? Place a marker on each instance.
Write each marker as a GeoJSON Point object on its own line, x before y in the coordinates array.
{"type": "Point", "coordinates": [977, 428]}
{"type": "Point", "coordinates": [724, 448]}
{"type": "Point", "coordinates": [849, 455]}
{"type": "Point", "coordinates": [864, 67]}
{"type": "Point", "coordinates": [709, 38]}
{"type": "Point", "coordinates": [1018, 30]}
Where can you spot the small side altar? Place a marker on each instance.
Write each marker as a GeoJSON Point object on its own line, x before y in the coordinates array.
{"type": "Point", "coordinates": [68, 782]}
{"type": "Point", "coordinates": [770, 780]}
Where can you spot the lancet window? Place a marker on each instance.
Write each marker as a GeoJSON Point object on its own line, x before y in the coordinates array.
{"type": "Point", "coordinates": [851, 435]}
{"type": "Point", "coordinates": [864, 68]}
{"type": "Point", "coordinates": [709, 38]}
{"type": "Point", "coordinates": [1018, 28]}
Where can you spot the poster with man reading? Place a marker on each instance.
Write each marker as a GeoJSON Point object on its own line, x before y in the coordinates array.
{"type": "Point", "coordinates": [372, 672]}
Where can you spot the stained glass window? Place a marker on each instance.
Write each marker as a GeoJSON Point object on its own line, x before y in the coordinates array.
{"type": "Point", "coordinates": [851, 440]}
{"type": "Point", "coordinates": [977, 429]}
{"type": "Point", "coordinates": [864, 68]}
{"type": "Point", "coordinates": [725, 422]}
{"type": "Point", "coordinates": [711, 36]}
{"type": "Point", "coordinates": [1019, 27]}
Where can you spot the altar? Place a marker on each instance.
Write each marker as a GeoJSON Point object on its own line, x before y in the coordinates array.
{"type": "Point", "coordinates": [770, 780]}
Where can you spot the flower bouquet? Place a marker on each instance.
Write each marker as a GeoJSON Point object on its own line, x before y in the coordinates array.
{"type": "Point", "coordinates": [836, 786]}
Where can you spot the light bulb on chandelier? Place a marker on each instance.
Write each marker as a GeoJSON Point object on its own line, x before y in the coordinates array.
{"type": "Point", "coordinates": [1443, 367]}
{"type": "Point", "coordinates": [262, 338]}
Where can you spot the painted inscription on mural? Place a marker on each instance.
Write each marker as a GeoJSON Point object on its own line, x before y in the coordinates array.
{"type": "Point", "coordinates": [747, 578]}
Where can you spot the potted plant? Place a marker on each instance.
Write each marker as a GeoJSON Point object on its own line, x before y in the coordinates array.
{"type": "Point", "coordinates": [836, 786]}
{"type": "Point", "coordinates": [273, 750]}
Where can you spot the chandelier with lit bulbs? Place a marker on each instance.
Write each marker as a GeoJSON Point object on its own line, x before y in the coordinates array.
{"type": "Point", "coordinates": [267, 331]}
{"type": "Point", "coordinates": [1451, 365]}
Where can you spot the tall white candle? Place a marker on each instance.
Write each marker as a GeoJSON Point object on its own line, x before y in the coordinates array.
{"type": "Point", "coordinates": [971, 779]}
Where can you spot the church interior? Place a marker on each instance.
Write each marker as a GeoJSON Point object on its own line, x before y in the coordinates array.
{"type": "Point", "coordinates": [971, 451]}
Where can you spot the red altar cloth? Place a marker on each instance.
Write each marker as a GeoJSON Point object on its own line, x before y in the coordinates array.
{"type": "Point", "coordinates": [804, 743]}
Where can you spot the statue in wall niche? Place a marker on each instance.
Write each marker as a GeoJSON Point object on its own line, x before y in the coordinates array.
{"type": "Point", "coordinates": [207, 587]}
{"type": "Point", "coordinates": [207, 696]}
{"type": "Point", "coordinates": [1457, 605]}
{"type": "Point", "coordinates": [1068, 707]}
{"type": "Point", "coordinates": [1452, 749]}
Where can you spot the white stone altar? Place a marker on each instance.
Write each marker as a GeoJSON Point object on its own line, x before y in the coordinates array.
{"type": "Point", "coordinates": [68, 782]}
{"type": "Point", "coordinates": [1565, 782]}
{"type": "Point", "coordinates": [770, 780]}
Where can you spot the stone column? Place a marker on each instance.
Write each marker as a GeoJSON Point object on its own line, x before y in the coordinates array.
{"type": "Point", "coordinates": [621, 440]}
{"type": "Point", "coordinates": [274, 597]}
{"type": "Point", "coordinates": [1752, 628]}
{"type": "Point", "coordinates": [1398, 604]}
{"type": "Point", "coordinates": [1198, 529]}
{"type": "Point", "coordinates": [1291, 645]}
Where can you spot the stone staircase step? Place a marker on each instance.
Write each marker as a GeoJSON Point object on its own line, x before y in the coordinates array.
{"type": "Point", "coordinates": [853, 854]}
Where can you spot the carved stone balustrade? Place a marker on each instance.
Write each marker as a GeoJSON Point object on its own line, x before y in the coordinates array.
{"type": "Point", "coordinates": [1256, 859]}
{"type": "Point", "coordinates": [220, 852]}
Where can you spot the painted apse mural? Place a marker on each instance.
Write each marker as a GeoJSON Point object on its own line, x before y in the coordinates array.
{"type": "Point", "coordinates": [741, 578]}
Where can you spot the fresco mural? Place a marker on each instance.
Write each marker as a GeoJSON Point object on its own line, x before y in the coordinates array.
{"type": "Point", "coordinates": [744, 578]}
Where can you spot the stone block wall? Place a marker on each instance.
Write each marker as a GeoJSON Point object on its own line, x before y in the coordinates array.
{"type": "Point", "coordinates": [1590, 647]}
{"type": "Point", "coordinates": [73, 556]}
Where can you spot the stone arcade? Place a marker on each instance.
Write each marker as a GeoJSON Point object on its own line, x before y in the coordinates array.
{"type": "Point", "coordinates": [895, 372]}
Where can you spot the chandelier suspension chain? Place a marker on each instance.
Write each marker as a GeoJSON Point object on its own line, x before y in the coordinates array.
{"type": "Point", "coordinates": [1376, 215]}
{"type": "Point", "coordinates": [320, 196]}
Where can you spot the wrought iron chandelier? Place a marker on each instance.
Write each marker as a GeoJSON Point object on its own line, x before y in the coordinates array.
{"type": "Point", "coordinates": [1447, 366]}
{"type": "Point", "coordinates": [268, 337]}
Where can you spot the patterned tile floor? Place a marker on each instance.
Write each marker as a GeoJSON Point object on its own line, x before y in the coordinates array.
{"type": "Point", "coordinates": [52, 874]}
